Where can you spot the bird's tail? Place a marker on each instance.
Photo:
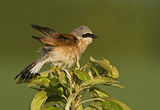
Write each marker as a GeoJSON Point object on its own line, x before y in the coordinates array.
{"type": "Point", "coordinates": [31, 70]}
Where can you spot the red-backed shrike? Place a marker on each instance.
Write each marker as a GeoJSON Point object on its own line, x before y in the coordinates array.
{"type": "Point", "coordinates": [62, 50]}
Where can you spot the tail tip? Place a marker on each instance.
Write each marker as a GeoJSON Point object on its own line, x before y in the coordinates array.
{"type": "Point", "coordinates": [25, 77]}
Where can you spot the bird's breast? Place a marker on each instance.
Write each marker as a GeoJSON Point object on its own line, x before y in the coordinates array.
{"type": "Point", "coordinates": [64, 56]}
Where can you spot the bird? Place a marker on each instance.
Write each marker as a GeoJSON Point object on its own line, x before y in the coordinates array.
{"type": "Point", "coordinates": [61, 50]}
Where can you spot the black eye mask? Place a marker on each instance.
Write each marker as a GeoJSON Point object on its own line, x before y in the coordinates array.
{"type": "Point", "coordinates": [89, 35]}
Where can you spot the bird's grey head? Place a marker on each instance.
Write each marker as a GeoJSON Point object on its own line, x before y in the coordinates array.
{"type": "Point", "coordinates": [84, 33]}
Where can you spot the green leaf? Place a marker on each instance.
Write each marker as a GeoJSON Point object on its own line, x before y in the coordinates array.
{"type": "Point", "coordinates": [82, 75]}
{"type": "Point", "coordinates": [95, 70]}
{"type": "Point", "coordinates": [116, 85]}
{"type": "Point", "coordinates": [58, 90]}
{"type": "Point", "coordinates": [44, 74]}
{"type": "Point", "coordinates": [90, 74]}
{"type": "Point", "coordinates": [112, 70]}
{"type": "Point", "coordinates": [97, 92]}
{"type": "Point", "coordinates": [54, 82]}
{"type": "Point", "coordinates": [97, 81]}
{"type": "Point", "coordinates": [80, 107]}
{"type": "Point", "coordinates": [55, 101]}
{"type": "Point", "coordinates": [39, 81]}
{"type": "Point", "coordinates": [114, 73]}
{"type": "Point", "coordinates": [115, 103]}
{"type": "Point", "coordinates": [62, 78]}
{"type": "Point", "coordinates": [38, 100]}
{"type": "Point", "coordinates": [110, 106]}
{"type": "Point", "coordinates": [50, 108]}
{"type": "Point", "coordinates": [95, 106]}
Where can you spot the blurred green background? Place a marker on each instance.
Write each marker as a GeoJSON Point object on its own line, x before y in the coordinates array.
{"type": "Point", "coordinates": [129, 36]}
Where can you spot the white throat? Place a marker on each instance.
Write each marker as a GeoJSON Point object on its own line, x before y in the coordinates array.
{"type": "Point", "coordinates": [87, 40]}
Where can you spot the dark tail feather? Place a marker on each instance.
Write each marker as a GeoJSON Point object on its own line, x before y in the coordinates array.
{"type": "Point", "coordinates": [27, 74]}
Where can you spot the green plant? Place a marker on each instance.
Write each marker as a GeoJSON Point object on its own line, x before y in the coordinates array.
{"type": "Point", "coordinates": [64, 89]}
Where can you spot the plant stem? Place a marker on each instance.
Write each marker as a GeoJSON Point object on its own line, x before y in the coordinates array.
{"type": "Point", "coordinates": [74, 97]}
{"type": "Point", "coordinates": [70, 81]}
{"type": "Point", "coordinates": [70, 98]}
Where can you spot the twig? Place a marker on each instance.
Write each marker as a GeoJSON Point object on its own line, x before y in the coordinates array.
{"type": "Point", "coordinates": [70, 80]}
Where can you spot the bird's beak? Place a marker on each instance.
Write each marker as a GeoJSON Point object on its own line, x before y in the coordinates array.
{"type": "Point", "coordinates": [94, 36]}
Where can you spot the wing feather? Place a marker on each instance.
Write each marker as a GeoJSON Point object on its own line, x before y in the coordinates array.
{"type": "Point", "coordinates": [51, 37]}
{"type": "Point", "coordinates": [45, 31]}
{"type": "Point", "coordinates": [60, 40]}
{"type": "Point", "coordinates": [66, 40]}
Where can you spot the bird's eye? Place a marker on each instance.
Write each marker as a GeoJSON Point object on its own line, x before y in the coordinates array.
{"type": "Point", "coordinates": [87, 35]}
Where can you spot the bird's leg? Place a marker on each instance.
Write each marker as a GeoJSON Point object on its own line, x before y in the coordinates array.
{"type": "Point", "coordinates": [78, 64]}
